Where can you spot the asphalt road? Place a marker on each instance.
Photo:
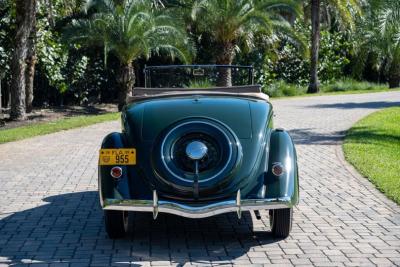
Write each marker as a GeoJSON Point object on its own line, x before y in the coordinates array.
{"type": "Point", "coordinates": [50, 214]}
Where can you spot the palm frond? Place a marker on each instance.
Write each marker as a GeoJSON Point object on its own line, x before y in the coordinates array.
{"type": "Point", "coordinates": [378, 38]}
{"type": "Point", "coordinates": [289, 6]}
{"type": "Point", "coordinates": [129, 30]}
{"type": "Point", "coordinates": [238, 21]}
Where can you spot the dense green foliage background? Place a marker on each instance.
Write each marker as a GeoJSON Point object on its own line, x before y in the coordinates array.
{"type": "Point", "coordinates": [67, 73]}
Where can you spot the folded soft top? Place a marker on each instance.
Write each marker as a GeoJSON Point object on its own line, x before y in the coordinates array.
{"type": "Point", "coordinates": [252, 91]}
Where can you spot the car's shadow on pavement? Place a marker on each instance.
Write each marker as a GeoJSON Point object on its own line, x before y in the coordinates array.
{"type": "Point", "coordinates": [354, 105]}
{"type": "Point", "coordinates": [309, 136]}
{"type": "Point", "coordinates": [69, 228]}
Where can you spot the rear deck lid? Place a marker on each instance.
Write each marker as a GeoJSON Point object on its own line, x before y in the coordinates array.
{"type": "Point", "coordinates": [161, 113]}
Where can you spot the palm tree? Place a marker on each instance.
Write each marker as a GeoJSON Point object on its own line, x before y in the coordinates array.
{"type": "Point", "coordinates": [30, 66]}
{"type": "Point", "coordinates": [379, 39]}
{"type": "Point", "coordinates": [129, 29]}
{"type": "Point", "coordinates": [232, 24]}
{"type": "Point", "coordinates": [345, 10]}
{"type": "Point", "coordinates": [315, 40]}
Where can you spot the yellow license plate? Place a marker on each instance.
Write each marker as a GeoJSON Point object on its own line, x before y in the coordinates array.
{"type": "Point", "coordinates": [122, 156]}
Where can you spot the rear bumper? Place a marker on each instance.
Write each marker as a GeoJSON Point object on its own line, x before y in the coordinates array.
{"type": "Point", "coordinates": [190, 211]}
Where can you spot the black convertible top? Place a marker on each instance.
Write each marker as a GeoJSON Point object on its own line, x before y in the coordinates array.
{"type": "Point", "coordinates": [252, 91]}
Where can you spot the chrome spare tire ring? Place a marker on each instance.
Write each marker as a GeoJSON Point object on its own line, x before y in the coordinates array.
{"type": "Point", "coordinates": [213, 137]}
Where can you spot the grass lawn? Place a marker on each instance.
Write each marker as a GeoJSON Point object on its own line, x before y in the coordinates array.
{"type": "Point", "coordinates": [23, 132]}
{"type": "Point", "coordinates": [373, 147]}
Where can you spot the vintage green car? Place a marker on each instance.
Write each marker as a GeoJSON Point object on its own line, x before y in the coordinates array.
{"type": "Point", "coordinates": [198, 151]}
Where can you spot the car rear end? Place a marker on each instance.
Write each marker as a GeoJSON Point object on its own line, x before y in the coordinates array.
{"type": "Point", "coordinates": [198, 155]}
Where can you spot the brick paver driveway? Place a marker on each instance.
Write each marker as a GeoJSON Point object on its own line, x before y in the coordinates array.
{"type": "Point", "coordinates": [49, 210]}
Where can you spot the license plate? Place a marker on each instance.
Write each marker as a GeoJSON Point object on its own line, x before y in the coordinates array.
{"type": "Point", "coordinates": [122, 156]}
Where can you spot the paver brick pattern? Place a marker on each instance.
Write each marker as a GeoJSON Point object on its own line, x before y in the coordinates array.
{"type": "Point", "coordinates": [50, 214]}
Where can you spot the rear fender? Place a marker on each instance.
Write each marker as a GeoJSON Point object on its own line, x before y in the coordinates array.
{"type": "Point", "coordinates": [282, 151]}
{"type": "Point", "coordinates": [108, 186]}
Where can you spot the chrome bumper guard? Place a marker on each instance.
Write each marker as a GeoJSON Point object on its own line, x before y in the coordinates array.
{"type": "Point", "coordinates": [155, 206]}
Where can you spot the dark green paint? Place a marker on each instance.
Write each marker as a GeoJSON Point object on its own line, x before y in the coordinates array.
{"type": "Point", "coordinates": [282, 150]}
{"type": "Point", "coordinates": [250, 119]}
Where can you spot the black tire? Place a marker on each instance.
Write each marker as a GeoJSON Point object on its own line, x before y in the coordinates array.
{"type": "Point", "coordinates": [114, 222]}
{"type": "Point", "coordinates": [281, 222]}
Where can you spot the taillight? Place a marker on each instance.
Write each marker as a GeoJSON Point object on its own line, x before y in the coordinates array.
{"type": "Point", "coordinates": [116, 172]}
{"type": "Point", "coordinates": [277, 169]}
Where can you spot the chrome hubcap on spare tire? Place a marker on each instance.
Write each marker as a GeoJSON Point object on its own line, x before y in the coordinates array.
{"type": "Point", "coordinates": [196, 150]}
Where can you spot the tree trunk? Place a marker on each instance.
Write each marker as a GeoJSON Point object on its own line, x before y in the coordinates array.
{"type": "Point", "coordinates": [224, 78]}
{"type": "Point", "coordinates": [315, 42]}
{"type": "Point", "coordinates": [25, 11]}
{"type": "Point", "coordinates": [1, 97]}
{"type": "Point", "coordinates": [50, 17]}
{"type": "Point", "coordinates": [394, 73]}
{"type": "Point", "coordinates": [30, 67]}
{"type": "Point", "coordinates": [9, 98]}
{"type": "Point", "coordinates": [126, 80]}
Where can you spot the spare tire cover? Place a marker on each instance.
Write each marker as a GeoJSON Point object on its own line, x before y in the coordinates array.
{"type": "Point", "coordinates": [177, 169]}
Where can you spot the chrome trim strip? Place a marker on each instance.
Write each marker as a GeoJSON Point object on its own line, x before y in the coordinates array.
{"type": "Point", "coordinates": [155, 204]}
{"type": "Point", "coordinates": [238, 204]}
{"type": "Point", "coordinates": [190, 211]}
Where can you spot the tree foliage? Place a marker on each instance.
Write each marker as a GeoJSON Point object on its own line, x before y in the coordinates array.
{"type": "Point", "coordinates": [378, 40]}
{"type": "Point", "coordinates": [288, 63]}
{"type": "Point", "coordinates": [234, 25]}
{"type": "Point", "coordinates": [343, 11]}
{"type": "Point", "coordinates": [129, 30]}
{"type": "Point", "coordinates": [132, 30]}
{"type": "Point", "coordinates": [105, 35]}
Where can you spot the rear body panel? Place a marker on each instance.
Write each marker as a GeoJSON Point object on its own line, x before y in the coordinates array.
{"type": "Point", "coordinates": [160, 114]}
{"type": "Point", "coordinates": [145, 122]}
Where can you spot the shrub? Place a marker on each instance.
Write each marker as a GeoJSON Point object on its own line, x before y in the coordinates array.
{"type": "Point", "coordinates": [348, 84]}
{"type": "Point", "coordinates": [292, 66]}
{"type": "Point", "coordinates": [281, 88]}
{"type": "Point", "coordinates": [200, 84]}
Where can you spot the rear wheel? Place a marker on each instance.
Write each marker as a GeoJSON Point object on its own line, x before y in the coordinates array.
{"type": "Point", "coordinates": [114, 222]}
{"type": "Point", "coordinates": [281, 222]}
